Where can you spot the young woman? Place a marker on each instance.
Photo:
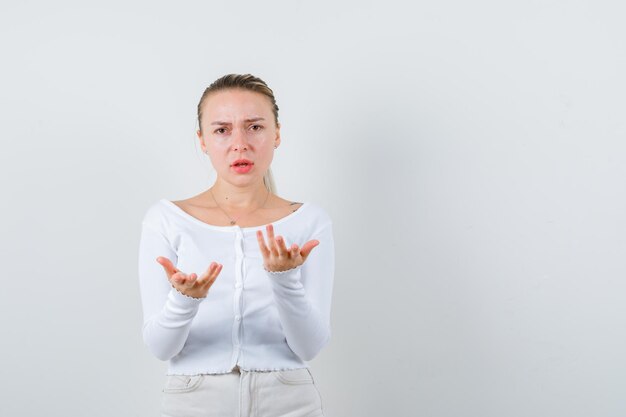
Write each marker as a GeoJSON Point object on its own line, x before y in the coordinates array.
{"type": "Point", "coordinates": [236, 282]}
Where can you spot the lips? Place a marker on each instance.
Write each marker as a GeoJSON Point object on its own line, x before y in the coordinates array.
{"type": "Point", "coordinates": [241, 162]}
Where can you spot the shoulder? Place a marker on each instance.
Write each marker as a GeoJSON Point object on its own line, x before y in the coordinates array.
{"type": "Point", "coordinates": [315, 215]}
{"type": "Point", "coordinates": [309, 209]}
{"type": "Point", "coordinates": [155, 214]}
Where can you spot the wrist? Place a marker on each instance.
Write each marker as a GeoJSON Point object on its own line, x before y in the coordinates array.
{"type": "Point", "coordinates": [187, 294]}
{"type": "Point", "coordinates": [281, 271]}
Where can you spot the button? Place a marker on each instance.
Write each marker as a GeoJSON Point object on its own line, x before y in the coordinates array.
{"type": "Point", "coordinates": [238, 285]}
{"type": "Point", "coordinates": [238, 317]}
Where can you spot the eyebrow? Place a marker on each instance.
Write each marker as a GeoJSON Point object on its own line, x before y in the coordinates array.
{"type": "Point", "coordinates": [254, 119]}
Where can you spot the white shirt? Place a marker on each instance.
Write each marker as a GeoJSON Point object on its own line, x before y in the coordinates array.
{"type": "Point", "coordinates": [251, 318]}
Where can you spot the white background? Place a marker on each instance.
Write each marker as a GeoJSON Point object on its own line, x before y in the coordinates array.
{"type": "Point", "coordinates": [471, 155]}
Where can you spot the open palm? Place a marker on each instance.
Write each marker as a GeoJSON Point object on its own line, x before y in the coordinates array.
{"type": "Point", "coordinates": [276, 256]}
{"type": "Point", "coordinates": [190, 284]}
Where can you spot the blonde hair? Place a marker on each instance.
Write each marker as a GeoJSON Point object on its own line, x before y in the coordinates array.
{"type": "Point", "coordinates": [246, 82]}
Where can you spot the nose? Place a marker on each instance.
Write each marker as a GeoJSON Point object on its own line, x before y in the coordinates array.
{"type": "Point", "coordinates": [239, 140]}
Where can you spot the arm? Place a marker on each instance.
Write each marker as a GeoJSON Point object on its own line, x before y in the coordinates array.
{"type": "Point", "coordinates": [167, 313]}
{"type": "Point", "coordinates": [303, 297]}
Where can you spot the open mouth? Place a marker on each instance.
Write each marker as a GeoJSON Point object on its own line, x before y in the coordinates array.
{"type": "Point", "coordinates": [242, 163]}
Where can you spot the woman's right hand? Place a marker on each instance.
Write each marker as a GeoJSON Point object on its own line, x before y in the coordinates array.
{"type": "Point", "coordinates": [190, 285]}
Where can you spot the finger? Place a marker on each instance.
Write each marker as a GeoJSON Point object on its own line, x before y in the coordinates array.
{"type": "Point", "coordinates": [264, 250]}
{"type": "Point", "coordinates": [191, 281]}
{"type": "Point", "coordinates": [183, 279]}
{"type": "Point", "coordinates": [294, 250]}
{"type": "Point", "coordinates": [178, 278]}
{"type": "Point", "coordinates": [280, 244]}
{"type": "Point", "coordinates": [216, 272]}
{"type": "Point", "coordinates": [211, 276]}
{"type": "Point", "coordinates": [272, 239]}
{"type": "Point", "coordinates": [308, 247]}
{"type": "Point", "coordinates": [207, 275]}
{"type": "Point", "coordinates": [169, 267]}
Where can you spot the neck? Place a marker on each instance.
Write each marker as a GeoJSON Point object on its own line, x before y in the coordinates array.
{"type": "Point", "coordinates": [234, 197]}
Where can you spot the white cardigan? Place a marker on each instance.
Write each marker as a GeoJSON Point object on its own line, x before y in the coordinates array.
{"type": "Point", "coordinates": [251, 318]}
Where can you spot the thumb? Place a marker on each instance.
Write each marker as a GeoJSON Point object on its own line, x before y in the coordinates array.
{"type": "Point", "coordinates": [169, 267]}
{"type": "Point", "coordinates": [308, 247]}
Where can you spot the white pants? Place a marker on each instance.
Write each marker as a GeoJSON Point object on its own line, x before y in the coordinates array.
{"type": "Point", "coordinates": [290, 393]}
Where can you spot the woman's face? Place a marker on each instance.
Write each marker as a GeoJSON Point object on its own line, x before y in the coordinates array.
{"type": "Point", "coordinates": [239, 124]}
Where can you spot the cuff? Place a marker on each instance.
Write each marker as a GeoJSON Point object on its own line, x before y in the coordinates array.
{"type": "Point", "coordinates": [289, 278]}
{"type": "Point", "coordinates": [283, 272]}
{"type": "Point", "coordinates": [182, 301]}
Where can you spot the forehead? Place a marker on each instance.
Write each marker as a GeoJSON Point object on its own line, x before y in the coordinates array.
{"type": "Point", "coordinates": [235, 104]}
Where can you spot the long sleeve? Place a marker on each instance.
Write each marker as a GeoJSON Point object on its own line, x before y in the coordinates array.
{"type": "Point", "coordinates": [167, 313]}
{"type": "Point", "coordinates": [303, 297]}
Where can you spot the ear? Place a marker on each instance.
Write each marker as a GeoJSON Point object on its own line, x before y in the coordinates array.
{"type": "Point", "coordinates": [202, 146]}
{"type": "Point", "coordinates": [277, 140]}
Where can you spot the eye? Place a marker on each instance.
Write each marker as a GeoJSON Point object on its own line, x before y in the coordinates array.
{"type": "Point", "coordinates": [218, 130]}
{"type": "Point", "coordinates": [259, 127]}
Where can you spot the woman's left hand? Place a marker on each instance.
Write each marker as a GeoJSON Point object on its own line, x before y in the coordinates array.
{"type": "Point", "coordinates": [276, 256]}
